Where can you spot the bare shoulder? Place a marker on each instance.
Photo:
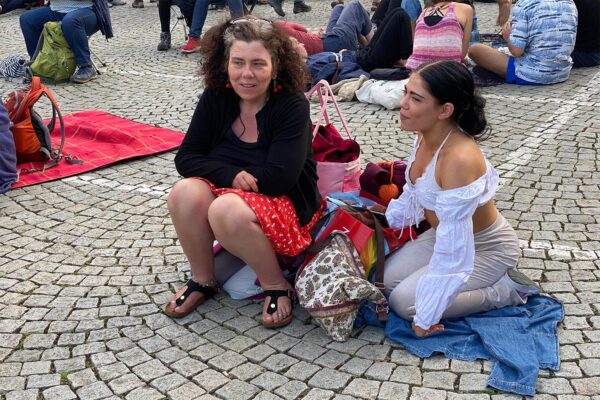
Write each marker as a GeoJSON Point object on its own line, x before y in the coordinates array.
{"type": "Point", "coordinates": [463, 9]}
{"type": "Point", "coordinates": [460, 163]}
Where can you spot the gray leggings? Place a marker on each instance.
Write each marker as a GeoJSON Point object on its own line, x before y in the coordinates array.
{"type": "Point", "coordinates": [488, 287]}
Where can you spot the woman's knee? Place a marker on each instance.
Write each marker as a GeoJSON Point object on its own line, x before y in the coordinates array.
{"type": "Point", "coordinates": [229, 214]}
{"type": "Point", "coordinates": [402, 302]}
{"type": "Point", "coordinates": [189, 193]}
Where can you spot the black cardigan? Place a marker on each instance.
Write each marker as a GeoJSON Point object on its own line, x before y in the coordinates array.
{"type": "Point", "coordinates": [284, 123]}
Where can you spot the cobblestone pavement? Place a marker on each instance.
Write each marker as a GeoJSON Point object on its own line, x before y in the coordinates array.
{"type": "Point", "coordinates": [86, 263]}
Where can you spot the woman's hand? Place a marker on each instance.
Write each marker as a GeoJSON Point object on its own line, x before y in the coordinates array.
{"type": "Point", "coordinates": [245, 181]}
{"type": "Point", "coordinates": [420, 332]}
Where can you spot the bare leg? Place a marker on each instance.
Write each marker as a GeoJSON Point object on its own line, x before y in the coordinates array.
{"type": "Point", "coordinates": [188, 205]}
{"type": "Point", "coordinates": [236, 227]}
{"type": "Point", "coordinates": [489, 58]}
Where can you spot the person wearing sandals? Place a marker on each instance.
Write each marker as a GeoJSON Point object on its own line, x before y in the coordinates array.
{"type": "Point", "coordinates": [250, 179]}
{"type": "Point", "coordinates": [466, 263]}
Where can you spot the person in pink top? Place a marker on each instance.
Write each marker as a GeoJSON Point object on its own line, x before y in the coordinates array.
{"type": "Point", "coordinates": [443, 32]}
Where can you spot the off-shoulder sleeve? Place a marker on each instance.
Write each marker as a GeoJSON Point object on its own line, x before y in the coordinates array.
{"type": "Point", "coordinates": [404, 211]}
{"type": "Point", "coordinates": [453, 254]}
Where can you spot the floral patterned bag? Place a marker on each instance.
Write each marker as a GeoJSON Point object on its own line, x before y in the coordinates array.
{"type": "Point", "coordinates": [333, 284]}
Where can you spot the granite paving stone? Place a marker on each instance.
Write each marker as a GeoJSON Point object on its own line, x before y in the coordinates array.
{"type": "Point", "coordinates": [269, 381]}
{"type": "Point", "coordinates": [168, 382]}
{"type": "Point", "coordinates": [210, 379]}
{"type": "Point", "coordinates": [292, 390]}
{"type": "Point", "coordinates": [42, 381]}
{"type": "Point", "coordinates": [237, 390]}
{"type": "Point", "coordinates": [392, 391]}
{"type": "Point", "coordinates": [81, 378]}
{"type": "Point", "coordinates": [363, 388]}
{"type": "Point", "coordinates": [62, 392]}
{"type": "Point", "coordinates": [329, 379]}
{"type": "Point", "coordinates": [144, 393]}
{"type": "Point", "coordinates": [246, 371]}
{"type": "Point", "coordinates": [125, 383]}
{"type": "Point", "coordinates": [185, 392]}
{"type": "Point", "coordinates": [29, 394]}
{"type": "Point", "coordinates": [70, 364]}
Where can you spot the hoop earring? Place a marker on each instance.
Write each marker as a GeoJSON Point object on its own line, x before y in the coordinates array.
{"type": "Point", "coordinates": [276, 87]}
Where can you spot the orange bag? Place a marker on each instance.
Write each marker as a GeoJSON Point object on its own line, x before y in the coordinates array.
{"type": "Point", "coordinates": [31, 134]}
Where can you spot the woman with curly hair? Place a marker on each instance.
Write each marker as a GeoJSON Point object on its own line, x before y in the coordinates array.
{"type": "Point", "coordinates": [467, 262]}
{"type": "Point", "coordinates": [250, 180]}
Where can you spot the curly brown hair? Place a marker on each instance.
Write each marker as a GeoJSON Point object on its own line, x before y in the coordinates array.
{"type": "Point", "coordinates": [216, 43]}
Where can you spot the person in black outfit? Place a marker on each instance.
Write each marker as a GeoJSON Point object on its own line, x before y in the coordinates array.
{"type": "Point", "coordinates": [587, 43]}
{"type": "Point", "coordinates": [391, 43]}
{"type": "Point", "coordinates": [250, 177]}
{"type": "Point", "coordinates": [164, 14]}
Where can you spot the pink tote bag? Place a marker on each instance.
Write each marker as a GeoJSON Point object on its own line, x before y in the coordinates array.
{"type": "Point", "coordinates": [338, 158]}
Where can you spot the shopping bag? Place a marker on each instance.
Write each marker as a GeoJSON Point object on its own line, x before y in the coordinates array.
{"type": "Point", "coordinates": [338, 158]}
{"type": "Point", "coordinates": [371, 237]}
{"type": "Point", "coordinates": [332, 286]}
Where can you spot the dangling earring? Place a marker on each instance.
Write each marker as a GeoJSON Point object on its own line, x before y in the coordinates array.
{"type": "Point", "coordinates": [228, 84]}
{"type": "Point", "coordinates": [276, 87]}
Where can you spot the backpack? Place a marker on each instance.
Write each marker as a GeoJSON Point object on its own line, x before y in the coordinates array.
{"type": "Point", "coordinates": [31, 134]}
{"type": "Point", "coordinates": [8, 158]}
{"type": "Point", "coordinates": [53, 59]}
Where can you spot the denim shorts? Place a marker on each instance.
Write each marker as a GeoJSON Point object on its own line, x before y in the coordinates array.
{"type": "Point", "coordinates": [511, 76]}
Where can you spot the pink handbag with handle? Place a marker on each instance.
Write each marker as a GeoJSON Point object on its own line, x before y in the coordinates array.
{"type": "Point", "coordinates": [338, 158]}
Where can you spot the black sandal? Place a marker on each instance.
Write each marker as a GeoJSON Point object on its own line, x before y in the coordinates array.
{"type": "Point", "coordinates": [207, 291]}
{"type": "Point", "coordinates": [272, 307]}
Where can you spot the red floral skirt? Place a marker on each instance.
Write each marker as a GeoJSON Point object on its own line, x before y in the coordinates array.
{"type": "Point", "coordinates": [277, 218]}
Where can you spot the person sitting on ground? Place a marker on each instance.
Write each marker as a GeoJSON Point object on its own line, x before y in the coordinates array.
{"type": "Point", "coordinates": [7, 6]}
{"type": "Point", "coordinates": [443, 32]}
{"type": "Point", "coordinates": [299, 7]}
{"type": "Point", "coordinates": [348, 25]}
{"type": "Point", "coordinates": [236, 9]}
{"type": "Point", "coordinates": [540, 37]}
{"type": "Point", "coordinates": [412, 8]}
{"type": "Point", "coordinates": [80, 19]}
{"type": "Point", "coordinates": [391, 44]}
{"type": "Point", "coordinates": [164, 14]}
{"type": "Point", "coordinates": [587, 42]}
{"type": "Point", "coordinates": [250, 180]}
{"type": "Point", "coordinates": [466, 262]}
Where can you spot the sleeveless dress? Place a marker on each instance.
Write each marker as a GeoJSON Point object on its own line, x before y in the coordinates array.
{"type": "Point", "coordinates": [441, 41]}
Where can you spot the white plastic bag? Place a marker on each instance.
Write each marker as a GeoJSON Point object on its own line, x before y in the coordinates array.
{"type": "Point", "coordinates": [388, 93]}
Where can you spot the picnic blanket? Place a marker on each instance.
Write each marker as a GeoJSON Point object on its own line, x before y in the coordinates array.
{"type": "Point", "coordinates": [519, 340]}
{"type": "Point", "coordinates": [100, 139]}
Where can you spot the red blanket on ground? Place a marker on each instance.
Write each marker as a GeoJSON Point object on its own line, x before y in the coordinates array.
{"type": "Point", "coordinates": [100, 139]}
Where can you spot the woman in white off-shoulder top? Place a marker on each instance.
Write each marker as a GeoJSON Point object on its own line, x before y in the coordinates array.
{"type": "Point", "coordinates": [465, 263]}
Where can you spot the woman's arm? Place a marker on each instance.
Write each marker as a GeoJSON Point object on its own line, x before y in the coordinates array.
{"type": "Point", "coordinates": [454, 251]}
{"type": "Point", "coordinates": [289, 125]}
{"type": "Point", "coordinates": [516, 33]}
{"type": "Point", "coordinates": [192, 157]}
{"type": "Point", "coordinates": [466, 16]}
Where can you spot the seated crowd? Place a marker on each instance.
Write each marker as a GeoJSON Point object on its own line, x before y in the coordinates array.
{"type": "Point", "coordinates": [544, 39]}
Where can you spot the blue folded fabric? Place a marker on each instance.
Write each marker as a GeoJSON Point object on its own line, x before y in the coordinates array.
{"type": "Point", "coordinates": [519, 340]}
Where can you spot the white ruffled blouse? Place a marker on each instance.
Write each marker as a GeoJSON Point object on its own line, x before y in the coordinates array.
{"type": "Point", "coordinates": [454, 251]}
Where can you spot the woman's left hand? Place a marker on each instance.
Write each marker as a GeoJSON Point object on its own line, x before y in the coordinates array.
{"type": "Point", "coordinates": [420, 332]}
{"type": "Point", "coordinates": [245, 181]}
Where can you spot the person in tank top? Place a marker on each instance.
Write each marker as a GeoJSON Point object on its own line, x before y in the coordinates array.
{"type": "Point", "coordinates": [466, 263]}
